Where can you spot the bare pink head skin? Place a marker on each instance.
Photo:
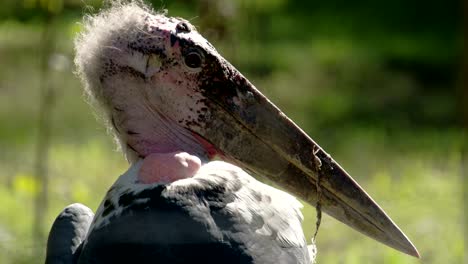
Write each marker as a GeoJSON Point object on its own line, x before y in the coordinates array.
{"type": "Point", "coordinates": [149, 94]}
{"type": "Point", "coordinates": [171, 99]}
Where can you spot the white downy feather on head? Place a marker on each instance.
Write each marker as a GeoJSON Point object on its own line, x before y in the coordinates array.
{"type": "Point", "coordinates": [101, 34]}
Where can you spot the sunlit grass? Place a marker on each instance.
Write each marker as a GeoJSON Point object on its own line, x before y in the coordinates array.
{"type": "Point", "coordinates": [78, 173]}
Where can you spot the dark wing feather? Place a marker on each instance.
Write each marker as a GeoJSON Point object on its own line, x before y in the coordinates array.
{"type": "Point", "coordinates": [67, 234]}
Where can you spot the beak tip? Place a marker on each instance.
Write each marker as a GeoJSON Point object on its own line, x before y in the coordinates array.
{"type": "Point", "coordinates": [406, 246]}
{"type": "Point", "coordinates": [412, 250]}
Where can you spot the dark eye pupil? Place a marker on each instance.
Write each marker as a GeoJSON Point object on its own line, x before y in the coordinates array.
{"type": "Point", "coordinates": [193, 60]}
{"type": "Point", "coordinates": [182, 27]}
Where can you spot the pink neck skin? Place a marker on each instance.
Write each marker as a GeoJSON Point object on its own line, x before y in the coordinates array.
{"type": "Point", "coordinates": [157, 133]}
{"type": "Point", "coordinates": [168, 167]}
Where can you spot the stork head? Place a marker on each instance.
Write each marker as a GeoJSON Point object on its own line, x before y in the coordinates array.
{"type": "Point", "coordinates": [163, 88]}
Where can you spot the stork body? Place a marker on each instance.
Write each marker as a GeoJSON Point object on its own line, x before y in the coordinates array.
{"type": "Point", "coordinates": [220, 215]}
{"type": "Point", "coordinates": [174, 105]}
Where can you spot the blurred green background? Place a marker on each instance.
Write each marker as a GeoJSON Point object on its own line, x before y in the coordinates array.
{"type": "Point", "coordinates": [381, 85]}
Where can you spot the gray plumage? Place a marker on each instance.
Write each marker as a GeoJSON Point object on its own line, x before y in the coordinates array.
{"type": "Point", "coordinates": [67, 234]}
{"type": "Point", "coordinates": [221, 215]}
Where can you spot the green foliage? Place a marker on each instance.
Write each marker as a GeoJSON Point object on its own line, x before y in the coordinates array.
{"type": "Point", "coordinates": [262, 5]}
{"type": "Point", "coordinates": [50, 6]}
{"type": "Point", "coordinates": [372, 82]}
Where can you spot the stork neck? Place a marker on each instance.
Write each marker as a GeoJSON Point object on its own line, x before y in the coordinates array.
{"type": "Point", "coordinates": [168, 167]}
{"type": "Point", "coordinates": [145, 124]}
{"type": "Point", "coordinates": [148, 132]}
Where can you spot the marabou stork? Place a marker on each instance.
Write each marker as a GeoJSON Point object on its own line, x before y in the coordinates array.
{"type": "Point", "coordinates": [174, 104]}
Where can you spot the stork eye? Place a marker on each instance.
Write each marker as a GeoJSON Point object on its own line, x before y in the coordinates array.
{"type": "Point", "coordinates": [193, 59]}
{"type": "Point", "coordinates": [182, 27]}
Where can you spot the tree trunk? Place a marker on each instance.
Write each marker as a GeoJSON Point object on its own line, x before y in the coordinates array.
{"type": "Point", "coordinates": [43, 138]}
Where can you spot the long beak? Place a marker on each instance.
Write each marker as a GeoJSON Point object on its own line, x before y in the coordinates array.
{"type": "Point", "coordinates": [252, 132]}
